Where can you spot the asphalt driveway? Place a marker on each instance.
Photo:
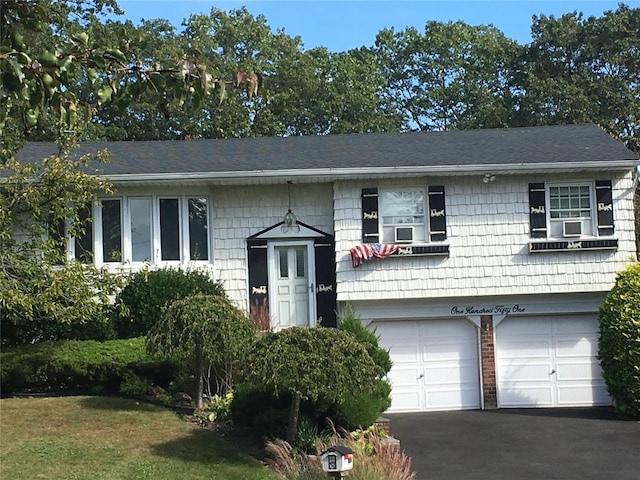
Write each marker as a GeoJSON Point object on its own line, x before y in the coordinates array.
{"type": "Point", "coordinates": [520, 444]}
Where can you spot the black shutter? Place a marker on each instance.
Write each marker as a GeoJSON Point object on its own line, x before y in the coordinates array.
{"type": "Point", "coordinates": [370, 215]}
{"type": "Point", "coordinates": [326, 302]}
{"type": "Point", "coordinates": [537, 210]}
{"type": "Point", "coordinates": [437, 214]}
{"type": "Point", "coordinates": [604, 203]}
{"type": "Point", "coordinates": [258, 276]}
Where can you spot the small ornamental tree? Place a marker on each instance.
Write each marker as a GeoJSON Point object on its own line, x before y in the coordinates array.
{"type": "Point", "coordinates": [311, 364]}
{"type": "Point", "coordinates": [210, 330]}
{"type": "Point", "coordinates": [619, 343]}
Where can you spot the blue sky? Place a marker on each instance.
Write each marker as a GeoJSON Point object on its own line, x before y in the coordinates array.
{"type": "Point", "coordinates": [346, 24]}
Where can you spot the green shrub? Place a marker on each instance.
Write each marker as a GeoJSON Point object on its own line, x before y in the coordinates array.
{"type": "Point", "coordinates": [361, 409]}
{"type": "Point", "coordinates": [140, 303]}
{"type": "Point", "coordinates": [97, 328]}
{"type": "Point", "coordinates": [351, 323]}
{"type": "Point", "coordinates": [71, 364]}
{"type": "Point", "coordinates": [619, 343]}
{"type": "Point", "coordinates": [251, 401]}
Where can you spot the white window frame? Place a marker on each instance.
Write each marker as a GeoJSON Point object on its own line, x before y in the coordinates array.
{"type": "Point", "coordinates": [589, 224]}
{"type": "Point", "coordinates": [420, 230]}
{"type": "Point", "coordinates": [156, 253]}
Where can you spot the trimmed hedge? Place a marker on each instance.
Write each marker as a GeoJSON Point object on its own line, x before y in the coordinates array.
{"type": "Point", "coordinates": [141, 302]}
{"type": "Point", "coordinates": [619, 342]}
{"type": "Point", "coordinates": [72, 365]}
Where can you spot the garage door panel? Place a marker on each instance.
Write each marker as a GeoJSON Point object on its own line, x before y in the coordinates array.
{"type": "Point", "coordinates": [586, 346]}
{"type": "Point", "coordinates": [405, 401]}
{"type": "Point", "coordinates": [452, 351]}
{"type": "Point", "coordinates": [570, 395]}
{"type": "Point", "coordinates": [450, 375]}
{"type": "Point", "coordinates": [531, 348]}
{"type": "Point", "coordinates": [518, 395]}
{"type": "Point", "coordinates": [404, 377]}
{"type": "Point", "coordinates": [541, 326]}
{"type": "Point", "coordinates": [585, 371]}
{"type": "Point", "coordinates": [403, 353]}
{"type": "Point", "coordinates": [525, 371]}
{"type": "Point", "coordinates": [452, 399]}
{"type": "Point", "coordinates": [575, 325]}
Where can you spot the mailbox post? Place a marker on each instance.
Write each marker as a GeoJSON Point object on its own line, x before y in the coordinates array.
{"type": "Point", "coordinates": [337, 461]}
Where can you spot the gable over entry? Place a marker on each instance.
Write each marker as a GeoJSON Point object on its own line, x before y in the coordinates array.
{"type": "Point", "coordinates": [292, 276]}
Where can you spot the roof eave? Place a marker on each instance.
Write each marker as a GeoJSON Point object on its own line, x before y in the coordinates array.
{"type": "Point", "coordinates": [372, 172]}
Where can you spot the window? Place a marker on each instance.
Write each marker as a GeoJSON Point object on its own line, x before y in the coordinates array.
{"type": "Point", "coordinates": [151, 229]}
{"type": "Point", "coordinates": [83, 243]}
{"type": "Point", "coordinates": [403, 216]}
{"type": "Point", "coordinates": [169, 229]}
{"type": "Point", "coordinates": [571, 216]}
{"type": "Point", "coordinates": [111, 231]}
{"type": "Point", "coordinates": [570, 210]}
{"type": "Point", "coordinates": [140, 229]}
{"type": "Point", "coordinates": [198, 229]}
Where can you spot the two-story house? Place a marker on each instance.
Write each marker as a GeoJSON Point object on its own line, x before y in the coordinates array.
{"type": "Point", "coordinates": [480, 257]}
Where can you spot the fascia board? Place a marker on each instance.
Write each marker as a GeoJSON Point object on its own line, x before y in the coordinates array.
{"type": "Point", "coordinates": [337, 173]}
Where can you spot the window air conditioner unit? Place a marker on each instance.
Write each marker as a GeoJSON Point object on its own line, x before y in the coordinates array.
{"type": "Point", "coordinates": [403, 234]}
{"type": "Point", "coordinates": [571, 228]}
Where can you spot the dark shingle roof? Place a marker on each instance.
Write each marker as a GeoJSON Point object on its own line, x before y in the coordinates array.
{"type": "Point", "coordinates": [569, 145]}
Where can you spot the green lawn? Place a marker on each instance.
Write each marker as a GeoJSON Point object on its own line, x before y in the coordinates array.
{"type": "Point", "coordinates": [106, 438]}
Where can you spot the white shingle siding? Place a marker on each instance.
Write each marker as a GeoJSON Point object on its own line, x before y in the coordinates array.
{"type": "Point", "coordinates": [488, 234]}
{"type": "Point", "coordinates": [239, 212]}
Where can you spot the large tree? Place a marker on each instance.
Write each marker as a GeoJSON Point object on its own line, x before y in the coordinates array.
{"type": "Point", "coordinates": [583, 70]}
{"type": "Point", "coordinates": [45, 50]}
{"type": "Point", "coordinates": [451, 76]}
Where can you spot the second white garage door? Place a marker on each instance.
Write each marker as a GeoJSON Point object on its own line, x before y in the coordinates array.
{"type": "Point", "coordinates": [435, 364]}
{"type": "Point", "coordinates": [549, 362]}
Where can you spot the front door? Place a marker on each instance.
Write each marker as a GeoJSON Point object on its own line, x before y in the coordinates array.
{"type": "Point", "coordinates": [291, 275]}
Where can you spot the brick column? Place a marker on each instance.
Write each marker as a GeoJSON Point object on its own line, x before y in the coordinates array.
{"type": "Point", "coordinates": [488, 362]}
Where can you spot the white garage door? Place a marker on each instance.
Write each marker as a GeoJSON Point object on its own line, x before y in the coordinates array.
{"type": "Point", "coordinates": [549, 361]}
{"type": "Point", "coordinates": [435, 364]}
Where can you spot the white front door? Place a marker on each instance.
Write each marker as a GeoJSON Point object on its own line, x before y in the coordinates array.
{"type": "Point", "coordinates": [292, 279]}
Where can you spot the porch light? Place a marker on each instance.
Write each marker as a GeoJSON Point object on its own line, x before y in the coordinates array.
{"type": "Point", "coordinates": [290, 222]}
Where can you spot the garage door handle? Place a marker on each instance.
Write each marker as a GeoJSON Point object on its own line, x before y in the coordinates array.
{"type": "Point", "coordinates": [552, 371]}
{"type": "Point", "coordinates": [421, 376]}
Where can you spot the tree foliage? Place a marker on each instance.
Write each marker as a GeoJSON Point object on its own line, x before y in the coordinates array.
{"type": "Point", "coordinates": [311, 363]}
{"type": "Point", "coordinates": [452, 76]}
{"type": "Point", "coordinates": [48, 48]}
{"type": "Point", "coordinates": [209, 329]}
{"type": "Point", "coordinates": [619, 342]}
{"type": "Point", "coordinates": [584, 70]}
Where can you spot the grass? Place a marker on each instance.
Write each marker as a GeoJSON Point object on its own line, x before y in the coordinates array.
{"type": "Point", "coordinates": [107, 438]}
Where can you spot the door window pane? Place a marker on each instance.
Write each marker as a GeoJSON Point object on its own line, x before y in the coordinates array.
{"type": "Point", "coordinates": [169, 229]}
{"type": "Point", "coordinates": [283, 262]}
{"type": "Point", "coordinates": [301, 264]}
{"type": "Point", "coordinates": [111, 231]}
{"type": "Point", "coordinates": [198, 237]}
{"type": "Point", "coordinates": [140, 209]}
